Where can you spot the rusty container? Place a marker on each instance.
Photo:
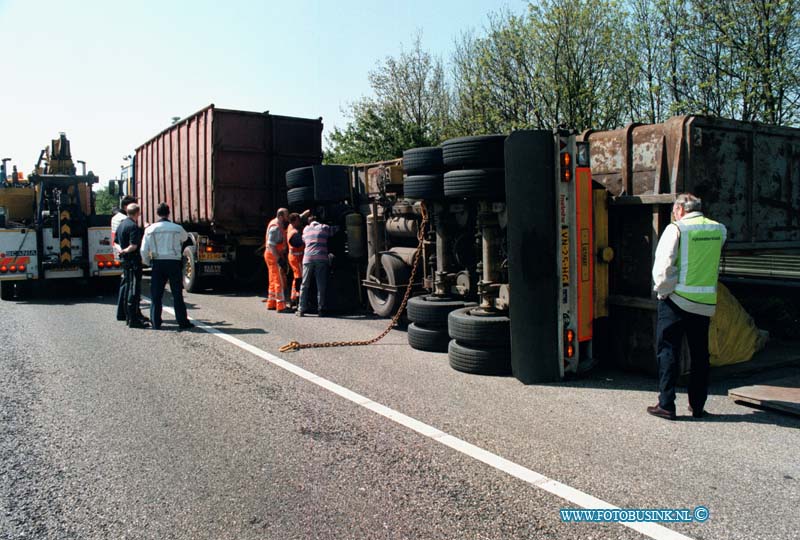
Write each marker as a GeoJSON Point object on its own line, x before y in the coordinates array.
{"type": "Point", "coordinates": [748, 177]}
{"type": "Point", "coordinates": [223, 171]}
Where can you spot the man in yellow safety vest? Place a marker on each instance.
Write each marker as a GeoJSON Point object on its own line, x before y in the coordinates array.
{"type": "Point", "coordinates": [685, 274]}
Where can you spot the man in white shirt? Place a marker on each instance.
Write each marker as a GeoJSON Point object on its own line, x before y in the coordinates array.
{"type": "Point", "coordinates": [162, 249]}
{"type": "Point", "coordinates": [685, 273]}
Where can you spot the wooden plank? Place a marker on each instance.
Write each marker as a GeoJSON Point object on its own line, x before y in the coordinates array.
{"type": "Point", "coordinates": [779, 398]}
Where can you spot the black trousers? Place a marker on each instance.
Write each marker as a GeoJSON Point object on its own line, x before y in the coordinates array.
{"type": "Point", "coordinates": [673, 324]}
{"type": "Point", "coordinates": [166, 272]}
{"type": "Point", "coordinates": [122, 297]}
{"type": "Point", "coordinates": [132, 277]}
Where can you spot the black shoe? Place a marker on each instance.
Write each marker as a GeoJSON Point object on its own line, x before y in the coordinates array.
{"type": "Point", "coordinates": [661, 413]}
{"type": "Point", "coordinates": [186, 325]}
{"type": "Point", "coordinates": [700, 414]}
{"type": "Point", "coordinates": [323, 313]}
{"type": "Point", "coordinates": [138, 324]}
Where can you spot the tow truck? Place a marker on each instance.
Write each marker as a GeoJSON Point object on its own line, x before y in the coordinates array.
{"type": "Point", "coordinates": [48, 226]}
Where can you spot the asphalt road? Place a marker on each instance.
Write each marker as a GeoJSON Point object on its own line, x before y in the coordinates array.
{"type": "Point", "coordinates": [107, 432]}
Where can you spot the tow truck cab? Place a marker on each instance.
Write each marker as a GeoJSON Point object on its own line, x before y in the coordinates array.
{"type": "Point", "coordinates": [49, 229]}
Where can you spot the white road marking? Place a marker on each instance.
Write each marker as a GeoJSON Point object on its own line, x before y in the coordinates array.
{"type": "Point", "coordinates": [563, 491]}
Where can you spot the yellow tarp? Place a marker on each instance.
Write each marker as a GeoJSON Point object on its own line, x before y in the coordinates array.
{"type": "Point", "coordinates": [732, 336]}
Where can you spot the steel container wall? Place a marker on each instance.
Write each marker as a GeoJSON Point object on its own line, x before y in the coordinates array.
{"type": "Point", "coordinates": [748, 174]}
{"type": "Point", "coordinates": [224, 170]}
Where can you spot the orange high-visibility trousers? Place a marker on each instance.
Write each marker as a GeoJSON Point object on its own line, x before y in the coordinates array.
{"type": "Point", "coordinates": [275, 295]}
{"type": "Point", "coordinates": [296, 263]}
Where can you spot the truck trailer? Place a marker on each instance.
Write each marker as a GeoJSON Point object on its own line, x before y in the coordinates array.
{"type": "Point", "coordinates": [223, 174]}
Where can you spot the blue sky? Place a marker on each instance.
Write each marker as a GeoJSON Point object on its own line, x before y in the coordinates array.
{"type": "Point", "coordinates": [112, 73]}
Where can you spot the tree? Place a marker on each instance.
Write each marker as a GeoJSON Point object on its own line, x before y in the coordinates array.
{"type": "Point", "coordinates": [104, 201]}
{"type": "Point", "coordinates": [648, 97]}
{"type": "Point", "coordinates": [564, 62]}
{"type": "Point", "coordinates": [410, 107]}
{"type": "Point", "coordinates": [733, 58]}
{"type": "Point", "coordinates": [762, 39]}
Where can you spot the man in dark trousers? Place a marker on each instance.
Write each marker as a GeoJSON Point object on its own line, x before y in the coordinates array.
{"type": "Point", "coordinates": [129, 238]}
{"type": "Point", "coordinates": [116, 220]}
{"type": "Point", "coordinates": [316, 264]}
{"type": "Point", "coordinates": [685, 275]}
{"type": "Point", "coordinates": [162, 248]}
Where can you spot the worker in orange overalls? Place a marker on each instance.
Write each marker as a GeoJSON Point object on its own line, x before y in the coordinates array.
{"type": "Point", "coordinates": [275, 257]}
{"type": "Point", "coordinates": [294, 237]}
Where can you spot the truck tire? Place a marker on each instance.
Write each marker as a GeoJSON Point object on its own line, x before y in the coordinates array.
{"type": "Point", "coordinates": [302, 177]}
{"type": "Point", "coordinates": [479, 330]}
{"type": "Point", "coordinates": [300, 196]}
{"type": "Point", "coordinates": [475, 184]}
{"type": "Point", "coordinates": [487, 361]}
{"type": "Point", "coordinates": [331, 184]}
{"type": "Point", "coordinates": [394, 272]}
{"type": "Point", "coordinates": [424, 160]}
{"type": "Point", "coordinates": [6, 290]}
{"type": "Point", "coordinates": [432, 339]}
{"type": "Point", "coordinates": [431, 310]}
{"type": "Point", "coordinates": [427, 186]}
{"type": "Point", "coordinates": [474, 152]}
{"type": "Point", "coordinates": [191, 281]}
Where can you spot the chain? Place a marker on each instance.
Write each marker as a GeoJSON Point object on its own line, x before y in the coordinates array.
{"type": "Point", "coordinates": [296, 346]}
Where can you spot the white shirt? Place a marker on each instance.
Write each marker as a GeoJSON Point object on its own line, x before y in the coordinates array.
{"type": "Point", "coordinates": [116, 219]}
{"type": "Point", "coordinates": [163, 240]}
{"type": "Point", "coordinates": [665, 272]}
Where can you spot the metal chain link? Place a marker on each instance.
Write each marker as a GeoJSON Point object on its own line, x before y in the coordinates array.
{"type": "Point", "coordinates": [296, 345]}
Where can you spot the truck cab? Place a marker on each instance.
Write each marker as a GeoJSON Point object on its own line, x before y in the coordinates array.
{"type": "Point", "coordinates": [49, 229]}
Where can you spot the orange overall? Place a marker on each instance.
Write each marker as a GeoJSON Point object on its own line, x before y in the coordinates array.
{"type": "Point", "coordinates": [275, 295]}
{"type": "Point", "coordinates": [295, 262]}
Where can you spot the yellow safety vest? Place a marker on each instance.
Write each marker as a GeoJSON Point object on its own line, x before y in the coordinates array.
{"type": "Point", "coordinates": [700, 249]}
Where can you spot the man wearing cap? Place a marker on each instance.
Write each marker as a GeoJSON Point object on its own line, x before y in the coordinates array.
{"type": "Point", "coordinates": [162, 249]}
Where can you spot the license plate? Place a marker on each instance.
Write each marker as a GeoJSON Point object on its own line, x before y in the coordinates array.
{"type": "Point", "coordinates": [211, 269]}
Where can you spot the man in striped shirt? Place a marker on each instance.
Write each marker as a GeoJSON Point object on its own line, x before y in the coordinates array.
{"type": "Point", "coordinates": [316, 264]}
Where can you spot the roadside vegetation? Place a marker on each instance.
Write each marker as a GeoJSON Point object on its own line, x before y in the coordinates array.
{"type": "Point", "coordinates": [583, 63]}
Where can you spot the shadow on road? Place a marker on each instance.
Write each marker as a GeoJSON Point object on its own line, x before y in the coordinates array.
{"type": "Point", "coordinates": [615, 379]}
{"type": "Point", "coordinates": [70, 292]}
{"type": "Point", "coordinates": [755, 415]}
{"type": "Point", "coordinates": [228, 329]}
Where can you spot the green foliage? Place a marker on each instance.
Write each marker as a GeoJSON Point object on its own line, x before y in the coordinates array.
{"type": "Point", "coordinates": [585, 64]}
{"type": "Point", "coordinates": [104, 201]}
{"type": "Point", "coordinates": [410, 108]}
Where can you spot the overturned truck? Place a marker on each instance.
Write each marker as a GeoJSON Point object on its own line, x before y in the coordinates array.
{"type": "Point", "coordinates": [538, 247]}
